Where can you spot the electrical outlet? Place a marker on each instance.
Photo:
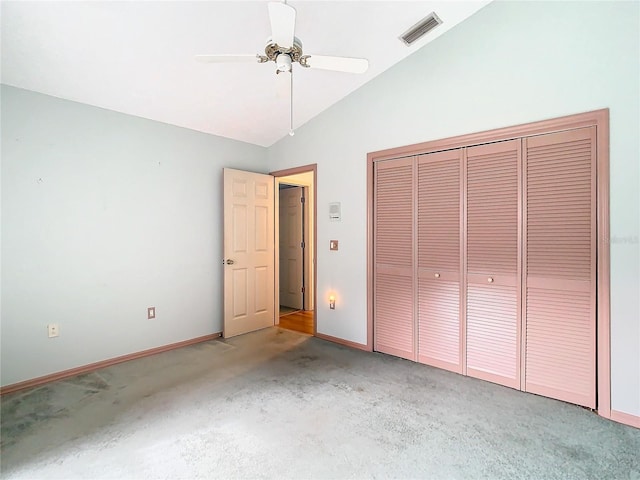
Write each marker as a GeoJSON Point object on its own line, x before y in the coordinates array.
{"type": "Point", "coordinates": [151, 313]}
{"type": "Point", "coordinates": [53, 329]}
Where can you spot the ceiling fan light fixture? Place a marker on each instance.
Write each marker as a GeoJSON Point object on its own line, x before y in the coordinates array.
{"type": "Point", "coordinates": [283, 63]}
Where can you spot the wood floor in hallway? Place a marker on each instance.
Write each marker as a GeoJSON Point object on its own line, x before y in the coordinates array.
{"type": "Point", "coordinates": [301, 321]}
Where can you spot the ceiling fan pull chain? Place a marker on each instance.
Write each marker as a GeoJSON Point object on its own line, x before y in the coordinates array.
{"type": "Point", "coordinates": [291, 132]}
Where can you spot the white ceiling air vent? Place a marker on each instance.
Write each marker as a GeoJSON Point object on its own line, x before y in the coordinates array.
{"type": "Point", "coordinates": [420, 29]}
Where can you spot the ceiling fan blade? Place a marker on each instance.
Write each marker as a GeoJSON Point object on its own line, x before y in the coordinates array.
{"type": "Point", "coordinates": [283, 23]}
{"type": "Point", "coordinates": [283, 85]}
{"type": "Point", "coordinates": [339, 64]}
{"type": "Point", "coordinates": [227, 58]}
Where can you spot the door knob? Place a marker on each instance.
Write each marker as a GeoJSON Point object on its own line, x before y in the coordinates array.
{"type": "Point", "coordinates": [437, 275]}
{"type": "Point", "coordinates": [230, 262]}
{"type": "Point", "coordinates": [490, 279]}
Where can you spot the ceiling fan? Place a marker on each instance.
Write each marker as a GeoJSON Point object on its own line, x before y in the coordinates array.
{"type": "Point", "coordinates": [285, 49]}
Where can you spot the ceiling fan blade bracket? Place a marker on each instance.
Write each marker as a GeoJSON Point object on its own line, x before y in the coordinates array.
{"type": "Point", "coordinates": [303, 61]}
{"type": "Point", "coordinates": [272, 50]}
{"type": "Point", "coordinates": [262, 58]}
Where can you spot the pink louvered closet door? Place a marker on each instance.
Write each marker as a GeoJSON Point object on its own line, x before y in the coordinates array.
{"type": "Point", "coordinates": [493, 271]}
{"type": "Point", "coordinates": [439, 259]}
{"type": "Point", "coordinates": [560, 266]}
{"type": "Point", "coordinates": [394, 258]}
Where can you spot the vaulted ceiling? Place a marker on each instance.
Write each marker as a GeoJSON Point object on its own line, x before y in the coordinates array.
{"type": "Point", "coordinates": [137, 57]}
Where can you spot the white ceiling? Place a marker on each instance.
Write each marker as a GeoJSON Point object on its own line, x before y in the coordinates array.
{"type": "Point", "coordinates": [137, 57]}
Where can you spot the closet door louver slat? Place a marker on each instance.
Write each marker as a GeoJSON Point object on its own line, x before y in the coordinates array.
{"type": "Point", "coordinates": [439, 259]}
{"type": "Point", "coordinates": [560, 259]}
{"type": "Point", "coordinates": [393, 257]}
{"type": "Point", "coordinates": [493, 272]}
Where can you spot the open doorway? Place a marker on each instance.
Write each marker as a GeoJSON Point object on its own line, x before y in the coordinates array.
{"type": "Point", "coordinates": [292, 247]}
{"type": "Point", "coordinates": [295, 249]}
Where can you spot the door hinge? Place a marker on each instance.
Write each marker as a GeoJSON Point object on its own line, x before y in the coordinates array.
{"type": "Point", "coordinates": [302, 289]}
{"type": "Point", "coordinates": [302, 200]}
{"type": "Point", "coordinates": [301, 244]}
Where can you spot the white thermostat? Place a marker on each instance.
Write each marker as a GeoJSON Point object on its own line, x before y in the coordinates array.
{"type": "Point", "coordinates": [334, 212]}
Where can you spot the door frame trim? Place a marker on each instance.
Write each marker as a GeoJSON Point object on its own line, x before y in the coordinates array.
{"type": "Point", "coordinates": [597, 118]}
{"type": "Point", "coordinates": [285, 173]}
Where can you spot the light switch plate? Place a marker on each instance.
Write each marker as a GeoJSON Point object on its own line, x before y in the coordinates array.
{"type": "Point", "coordinates": [333, 244]}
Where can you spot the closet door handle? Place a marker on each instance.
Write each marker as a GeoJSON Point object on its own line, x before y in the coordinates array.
{"type": "Point", "coordinates": [490, 279]}
{"type": "Point", "coordinates": [230, 262]}
{"type": "Point", "coordinates": [437, 275]}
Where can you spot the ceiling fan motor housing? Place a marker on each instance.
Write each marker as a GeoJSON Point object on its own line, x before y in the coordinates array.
{"type": "Point", "coordinates": [273, 51]}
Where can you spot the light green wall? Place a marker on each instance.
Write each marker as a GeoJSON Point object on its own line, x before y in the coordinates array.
{"type": "Point", "coordinates": [104, 215]}
{"type": "Point", "coordinates": [510, 63]}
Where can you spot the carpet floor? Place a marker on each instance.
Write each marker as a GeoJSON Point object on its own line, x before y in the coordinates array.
{"type": "Point", "coordinates": [278, 404]}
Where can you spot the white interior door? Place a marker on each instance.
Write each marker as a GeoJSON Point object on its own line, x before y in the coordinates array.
{"type": "Point", "coordinates": [249, 252]}
{"type": "Point", "coordinates": [291, 250]}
